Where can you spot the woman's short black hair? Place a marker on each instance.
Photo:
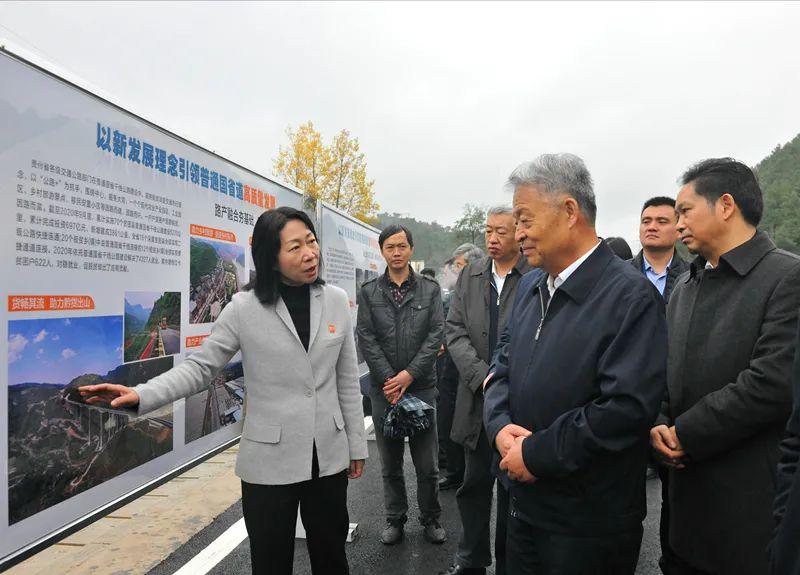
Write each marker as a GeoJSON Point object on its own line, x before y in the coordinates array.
{"type": "Point", "coordinates": [265, 248]}
{"type": "Point", "coordinates": [393, 229]}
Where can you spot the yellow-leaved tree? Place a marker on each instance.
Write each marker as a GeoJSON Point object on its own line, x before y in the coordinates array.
{"type": "Point", "coordinates": [335, 173]}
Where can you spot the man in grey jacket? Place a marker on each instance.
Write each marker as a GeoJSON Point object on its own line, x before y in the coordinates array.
{"type": "Point", "coordinates": [732, 321]}
{"type": "Point", "coordinates": [452, 452]}
{"type": "Point", "coordinates": [400, 329]}
{"type": "Point", "coordinates": [479, 308]}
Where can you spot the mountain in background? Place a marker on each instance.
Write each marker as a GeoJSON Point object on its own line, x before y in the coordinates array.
{"type": "Point", "coordinates": [137, 311]}
{"type": "Point", "coordinates": [231, 252]}
{"type": "Point", "coordinates": [167, 306]}
{"type": "Point", "coordinates": [779, 176]}
{"type": "Point", "coordinates": [58, 448]}
{"type": "Point", "coordinates": [433, 242]}
{"type": "Point", "coordinates": [133, 325]}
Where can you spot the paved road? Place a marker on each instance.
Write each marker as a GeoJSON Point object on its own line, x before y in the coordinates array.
{"type": "Point", "coordinates": [366, 554]}
{"type": "Point", "coordinates": [172, 341]}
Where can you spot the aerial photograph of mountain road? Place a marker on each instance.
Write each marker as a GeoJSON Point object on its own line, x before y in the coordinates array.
{"type": "Point", "coordinates": [216, 272]}
{"type": "Point", "coordinates": [152, 324]}
{"type": "Point", "coordinates": [58, 446]}
{"type": "Point", "coordinates": [219, 405]}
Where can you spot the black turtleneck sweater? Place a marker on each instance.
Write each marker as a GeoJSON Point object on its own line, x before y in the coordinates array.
{"type": "Point", "coordinates": [298, 300]}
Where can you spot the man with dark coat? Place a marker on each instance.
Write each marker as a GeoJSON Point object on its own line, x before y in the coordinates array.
{"type": "Point", "coordinates": [400, 331]}
{"type": "Point", "coordinates": [786, 545]}
{"type": "Point", "coordinates": [575, 385]}
{"type": "Point", "coordinates": [658, 259]}
{"type": "Point", "coordinates": [732, 322]}
{"type": "Point", "coordinates": [660, 262]}
{"type": "Point", "coordinates": [479, 309]}
{"type": "Point", "coordinates": [453, 452]}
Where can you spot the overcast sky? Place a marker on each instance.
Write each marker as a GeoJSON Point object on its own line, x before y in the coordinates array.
{"type": "Point", "coordinates": [446, 99]}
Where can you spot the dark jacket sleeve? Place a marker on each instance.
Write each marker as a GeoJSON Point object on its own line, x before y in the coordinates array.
{"type": "Point", "coordinates": [761, 396]}
{"type": "Point", "coordinates": [471, 368]}
{"type": "Point", "coordinates": [496, 409]}
{"type": "Point", "coordinates": [425, 358]}
{"type": "Point", "coordinates": [664, 413]}
{"type": "Point", "coordinates": [379, 367]}
{"type": "Point", "coordinates": [631, 375]}
{"type": "Point", "coordinates": [663, 417]}
{"type": "Point", "coordinates": [790, 446]}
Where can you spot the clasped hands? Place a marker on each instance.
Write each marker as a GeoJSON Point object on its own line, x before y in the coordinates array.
{"type": "Point", "coordinates": [395, 387]}
{"type": "Point", "coordinates": [667, 447]}
{"type": "Point", "coordinates": [509, 443]}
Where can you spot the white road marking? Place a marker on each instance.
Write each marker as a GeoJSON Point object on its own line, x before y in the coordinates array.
{"type": "Point", "coordinates": [220, 548]}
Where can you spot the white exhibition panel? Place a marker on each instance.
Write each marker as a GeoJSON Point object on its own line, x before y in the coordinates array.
{"type": "Point", "coordinates": [350, 254]}
{"type": "Point", "coordinates": [121, 244]}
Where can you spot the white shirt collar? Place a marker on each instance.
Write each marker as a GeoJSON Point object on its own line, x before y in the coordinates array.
{"type": "Point", "coordinates": [494, 270]}
{"type": "Point", "coordinates": [553, 283]}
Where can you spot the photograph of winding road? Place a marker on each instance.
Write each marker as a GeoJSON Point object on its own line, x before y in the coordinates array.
{"type": "Point", "coordinates": [152, 324]}
{"type": "Point", "coordinates": [216, 272]}
{"type": "Point", "coordinates": [58, 446]}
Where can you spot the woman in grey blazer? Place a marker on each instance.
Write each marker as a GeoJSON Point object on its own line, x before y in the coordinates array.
{"type": "Point", "coordinates": [303, 433]}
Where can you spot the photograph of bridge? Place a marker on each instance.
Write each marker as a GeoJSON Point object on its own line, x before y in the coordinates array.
{"type": "Point", "coordinates": [152, 324]}
{"type": "Point", "coordinates": [216, 272]}
{"type": "Point", "coordinates": [218, 406]}
{"type": "Point", "coordinates": [58, 446]}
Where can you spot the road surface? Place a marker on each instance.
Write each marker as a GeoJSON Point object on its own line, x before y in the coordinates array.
{"type": "Point", "coordinates": [171, 338]}
{"type": "Point", "coordinates": [366, 554]}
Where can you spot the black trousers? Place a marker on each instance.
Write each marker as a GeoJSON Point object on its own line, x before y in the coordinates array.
{"type": "Point", "coordinates": [445, 411]}
{"type": "Point", "coordinates": [678, 566]}
{"type": "Point", "coordinates": [668, 562]}
{"type": "Point", "coordinates": [474, 500]}
{"type": "Point", "coordinates": [533, 551]}
{"type": "Point", "coordinates": [270, 515]}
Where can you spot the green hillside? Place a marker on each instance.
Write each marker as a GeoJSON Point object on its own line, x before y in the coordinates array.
{"type": "Point", "coordinates": [133, 325]}
{"type": "Point", "coordinates": [203, 260]}
{"type": "Point", "coordinates": [779, 176]}
{"type": "Point", "coordinates": [433, 242]}
{"type": "Point", "coordinates": [169, 306]}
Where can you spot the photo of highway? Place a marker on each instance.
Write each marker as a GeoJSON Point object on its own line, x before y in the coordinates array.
{"type": "Point", "coordinates": [59, 446]}
{"type": "Point", "coordinates": [216, 272]}
{"type": "Point", "coordinates": [219, 405]}
{"type": "Point", "coordinates": [152, 325]}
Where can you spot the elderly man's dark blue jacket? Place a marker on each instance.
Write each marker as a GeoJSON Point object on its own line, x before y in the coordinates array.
{"type": "Point", "coordinates": [587, 380]}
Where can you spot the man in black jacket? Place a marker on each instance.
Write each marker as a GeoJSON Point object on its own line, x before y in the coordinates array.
{"type": "Point", "coordinates": [480, 307]}
{"type": "Point", "coordinates": [732, 322]}
{"type": "Point", "coordinates": [658, 259]}
{"type": "Point", "coordinates": [575, 385]}
{"type": "Point", "coordinates": [400, 330]}
{"type": "Point", "coordinates": [786, 545]}
{"type": "Point", "coordinates": [660, 262]}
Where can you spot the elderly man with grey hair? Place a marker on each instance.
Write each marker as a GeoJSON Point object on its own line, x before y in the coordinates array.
{"type": "Point", "coordinates": [451, 454]}
{"type": "Point", "coordinates": [576, 383]}
{"type": "Point", "coordinates": [479, 309]}
{"type": "Point", "coordinates": [465, 254]}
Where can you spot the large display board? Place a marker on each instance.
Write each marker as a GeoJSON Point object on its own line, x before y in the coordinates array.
{"type": "Point", "coordinates": [350, 255]}
{"type": "Point", "coordinates": [121, 244]}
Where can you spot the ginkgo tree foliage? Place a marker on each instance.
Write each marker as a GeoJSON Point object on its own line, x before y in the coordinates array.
{"type": "Point", "coordinates": [335, 172]}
